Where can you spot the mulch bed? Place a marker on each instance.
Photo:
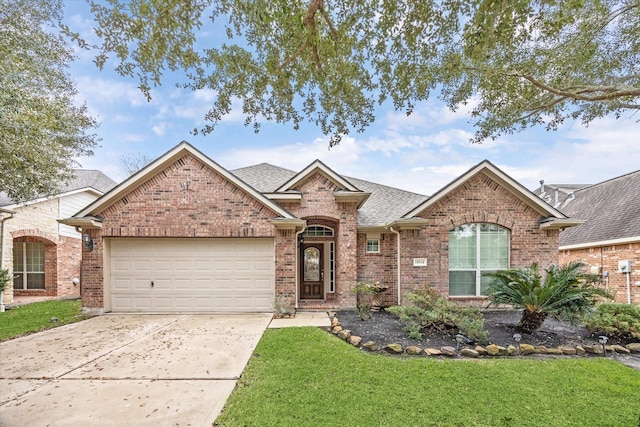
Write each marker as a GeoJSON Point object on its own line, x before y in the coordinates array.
{"type": "Point", "coordinates": [385, 328]}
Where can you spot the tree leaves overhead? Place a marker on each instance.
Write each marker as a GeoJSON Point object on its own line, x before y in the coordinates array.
{"type": "Point", "coordinates": [519, 63]}
{"type": "Point", "coordinates": [42, 131]}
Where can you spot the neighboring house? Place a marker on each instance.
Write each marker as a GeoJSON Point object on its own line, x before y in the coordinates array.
{"type": "Point", "coordinates": [611, 234]}
{"type": "Point", "coordinates": [43, 255]}
{"type": "Point", "coordinates": [185, 234]}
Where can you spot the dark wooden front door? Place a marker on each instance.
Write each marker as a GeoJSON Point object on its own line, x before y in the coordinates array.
{"type": "Point", "coordinates": [312, 271]}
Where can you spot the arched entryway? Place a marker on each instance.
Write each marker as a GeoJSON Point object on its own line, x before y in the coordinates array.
{"type": "Point", "coordinates": [317, 257]}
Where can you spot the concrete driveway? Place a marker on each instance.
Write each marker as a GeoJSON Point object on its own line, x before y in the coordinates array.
{"type": "Point", "coordinates": [138, 370]}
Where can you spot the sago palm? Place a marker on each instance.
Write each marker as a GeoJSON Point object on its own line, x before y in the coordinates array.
{"type": "Point", "coordinates": [566, 292]}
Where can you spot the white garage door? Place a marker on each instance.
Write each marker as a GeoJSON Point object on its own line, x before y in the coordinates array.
{"type": "Point", "coordinates": [192, 275]}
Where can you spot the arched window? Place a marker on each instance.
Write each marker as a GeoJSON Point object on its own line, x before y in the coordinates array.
{"type": "Point", "coordinates": [318, 231]}
{"type": "Point", "coordinates": [475, 249]}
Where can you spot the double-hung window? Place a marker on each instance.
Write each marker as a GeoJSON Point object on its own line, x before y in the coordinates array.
{"type": "Point", "coordinates": [373, 246]}
{"type": "Point", "coordinates": [475, 249]}
{"type": "Point", "coordinates": [28, 265]}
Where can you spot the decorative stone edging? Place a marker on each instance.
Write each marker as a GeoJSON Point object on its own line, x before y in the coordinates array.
{"type": "Point", "coordinates": [491, 350]}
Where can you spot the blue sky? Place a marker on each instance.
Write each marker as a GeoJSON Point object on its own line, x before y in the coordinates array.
{"type": "Point", "coordinates": [420, 153]}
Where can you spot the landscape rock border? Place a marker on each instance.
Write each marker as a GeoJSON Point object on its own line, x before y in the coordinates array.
{"type": "Point", "coordinates": [491, 350]}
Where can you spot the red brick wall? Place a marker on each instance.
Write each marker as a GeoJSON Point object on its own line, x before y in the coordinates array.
{"type": "Point", "coordinates": [92, 276]}
{"type": "Point", "coordinates": [606, 258]}
{"type": "Point", "coordinates": [50, 264]}
{"type": "Point", "coordinates": [69, 254]}
{"type": "Point", "coordinates": [318, 207]}
{"type": "Point", "coordinates": [62, 257]}
{"type": "Point", "coordinates": [380, 267]}
{"type": "Point", "coordinates": [286, 244]}
{"type": "Point", "coordinates": [480, 199]}
{"type": "Point", "coordinates": [187, 199]}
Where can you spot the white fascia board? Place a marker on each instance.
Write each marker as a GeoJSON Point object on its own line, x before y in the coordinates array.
{"type": "Point", "coordinates": [621, 241]}
{"type": "Point", "coordinates": [83, 223]}
{"type": "Point", "coordinates": [560, 223]}
{"type": "Point", "coordinates": [284, 197]}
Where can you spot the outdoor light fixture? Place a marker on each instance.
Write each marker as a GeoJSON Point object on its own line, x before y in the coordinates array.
{"type": "Point", "coordinates": [88, 241]}
{"type": "Point", "coordinates": [603, 340]}
{"type": "Point", "coordinates": [517, 338]}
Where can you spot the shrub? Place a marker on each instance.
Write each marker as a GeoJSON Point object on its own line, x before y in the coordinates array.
{"type": "Point", "coordinates": [565, 293]}
{"type": "Point", "coordinates": [5, 278]}
{"type": "Point", "coordinates": [621, 321]}
{"type": "Point", "coordinates": [367, 293]}
{"type": "Point", "coordinates": [430, 310]}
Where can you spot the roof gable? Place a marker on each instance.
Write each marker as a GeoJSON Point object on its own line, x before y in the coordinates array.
{"type": "Point", "coordinates": [318, 167]}
{"type": "Point", "coordinates": [504, 180]}
{"type": "Point", "coordinates": [164, 161]}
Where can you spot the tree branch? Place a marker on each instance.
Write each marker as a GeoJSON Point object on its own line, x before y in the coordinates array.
{"type": "Point", "coordinates": [612, 92]}
{"type": "Point", "coordinates": [309, 20]}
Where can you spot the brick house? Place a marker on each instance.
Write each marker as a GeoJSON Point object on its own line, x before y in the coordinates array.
{"type": "Point", "coordinates": [611, 234]}
{"type": "Point", "coordinates": [185, 234]}
{"type": "Point", "coordinates": [43, 255]}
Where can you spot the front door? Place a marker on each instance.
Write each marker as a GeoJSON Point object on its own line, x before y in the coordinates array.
{"type": "Point", "coordinates": [312, 271]}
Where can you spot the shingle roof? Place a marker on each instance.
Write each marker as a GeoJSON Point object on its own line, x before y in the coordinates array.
{"type": "Point", "coordinates": [264, 177]}
{"type": "Point", "coordinates": [563, 191]}
{"type": "Point", "coordinates": [385, 204]}
{"type": "Point", "coordinates": [84, 178]}
{"type": "Point", "coordinates": [611, 209]}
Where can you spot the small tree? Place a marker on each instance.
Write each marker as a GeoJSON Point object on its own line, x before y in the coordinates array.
{"type": "Point", "coordinates": [566, 292]}
{"type": "Point", "coordinates": [5, 277]}
{"type": "Point", "coordinates": [43, 129]}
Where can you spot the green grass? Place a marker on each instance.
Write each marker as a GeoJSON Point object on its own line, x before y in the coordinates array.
{"type": "Point", "coordinates": [307, 377]}
{"type": "Point", "coordinates": [37, 316]}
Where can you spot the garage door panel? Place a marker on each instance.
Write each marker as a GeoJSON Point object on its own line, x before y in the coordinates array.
{"type": "Point", "coordinates": [202, 264]}
{"type": "Point", "coordinates": [182, 284]}
{"type": "Point", "coordinates": [192, 275]}
{"type": "Point", "coordinates": [141, 303]}
{"type": "Point", "coordinates": [121, 284]}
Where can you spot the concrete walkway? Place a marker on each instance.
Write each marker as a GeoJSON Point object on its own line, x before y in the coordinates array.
{"type": "Point", "coordinates": [303, 318]}
{"type": "Point", "coordinates": [123, 370]}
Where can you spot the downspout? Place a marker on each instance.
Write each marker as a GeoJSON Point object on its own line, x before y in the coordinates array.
{"type": "Point", "coordinates": [397, 233]}
{"type": "Point", "coordinates": [11, 214]}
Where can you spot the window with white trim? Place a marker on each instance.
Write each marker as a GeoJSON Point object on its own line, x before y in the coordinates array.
{"type": "Point", "coordinates": [475, 249]}
{"type": "Point", "coordinates": [28, 265]}
{"type": "Point", "coordinates": [373, 246]}
{"type": "Point", "coordinates": [318, 231]}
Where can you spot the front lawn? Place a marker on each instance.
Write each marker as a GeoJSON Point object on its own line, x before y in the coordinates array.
{"type": "Point", "coordinates": [304, 376]}
{"type": "Point", "coordinates": [35, 317]}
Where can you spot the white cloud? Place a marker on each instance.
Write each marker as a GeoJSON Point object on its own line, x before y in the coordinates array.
{"type": "Point", "coordinates": [105, 92]}
{"type": "Point", "coordinates": [160, 128]}
{"type": "Point", "coordinates": [294, 156]}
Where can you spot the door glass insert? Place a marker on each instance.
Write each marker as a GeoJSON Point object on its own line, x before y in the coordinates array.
{"type": "Point", "coordinates": [312, 264]}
